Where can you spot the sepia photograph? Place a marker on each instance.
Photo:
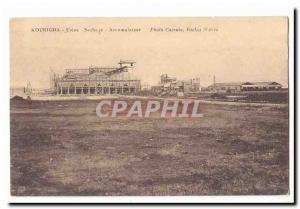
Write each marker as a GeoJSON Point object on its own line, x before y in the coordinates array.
{"type": "Point", "coordinates": [150, 106]}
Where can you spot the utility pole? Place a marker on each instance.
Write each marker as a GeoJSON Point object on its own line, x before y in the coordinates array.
{"type": "Point", "coordinates": [214, 81]}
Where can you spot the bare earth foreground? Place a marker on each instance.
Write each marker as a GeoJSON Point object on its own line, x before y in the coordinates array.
{"type": "Point", "coordinates": [63, 148]}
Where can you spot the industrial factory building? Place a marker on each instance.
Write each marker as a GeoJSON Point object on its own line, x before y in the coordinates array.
{"type": "Point", "coordinates": [120, 80]}
{"type": "Point", "coordinates": [97, 80]}
{"type": "Point", "coordinates": [233, 87]}
{"type": "Point", "coordinates": [171, 86]}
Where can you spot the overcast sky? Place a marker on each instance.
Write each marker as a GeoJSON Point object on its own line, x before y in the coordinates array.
{"type": "Point", "coordinates": [238, 49]}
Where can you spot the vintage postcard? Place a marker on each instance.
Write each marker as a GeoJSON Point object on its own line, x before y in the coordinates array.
{"type": "Point", "coordinates": [170, 106]}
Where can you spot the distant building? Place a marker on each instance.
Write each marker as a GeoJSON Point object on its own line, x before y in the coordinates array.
{"type": "Point", "coordinates": [171, 86]}
{"type": "Point", "coordinates": [261, 86]}
{"type": "Point", "coordinates": [192, 85]}
{"type": "Point", "coordinates": [166, 79]}
{"type": "Point", "coordinates": [225, 87]}
{"type": "Point", "coordinates": [156, 89]}
{"type": "Point", "coordinates": [233, 87]}
{"type": "Point", "coordinates": [145, 87]}
{"type": "Point", "coordinates": [98, 80]}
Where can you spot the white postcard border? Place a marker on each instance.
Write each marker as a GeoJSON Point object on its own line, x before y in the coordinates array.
{"type": "Point", "coordinates": [137, 8]}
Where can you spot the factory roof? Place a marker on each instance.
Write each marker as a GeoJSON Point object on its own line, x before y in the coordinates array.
{"type": "Point", "coordinates": [244, 83]}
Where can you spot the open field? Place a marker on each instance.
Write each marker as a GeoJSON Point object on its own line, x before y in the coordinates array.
{"type": "Point", "coordinates": [63, 148]}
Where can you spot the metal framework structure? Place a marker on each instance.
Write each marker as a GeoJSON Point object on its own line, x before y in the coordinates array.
{"type": "Point", "coordinates": [98, 80]}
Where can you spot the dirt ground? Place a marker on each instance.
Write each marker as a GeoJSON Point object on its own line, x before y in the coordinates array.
{"type": "Point", "coordinates": [63, 148]}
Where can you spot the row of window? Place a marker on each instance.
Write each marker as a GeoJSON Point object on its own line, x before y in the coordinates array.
{"type": "Point", "coordinates": [93, 90]}
{"type": "Point", "coordinates": [105, 84]}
